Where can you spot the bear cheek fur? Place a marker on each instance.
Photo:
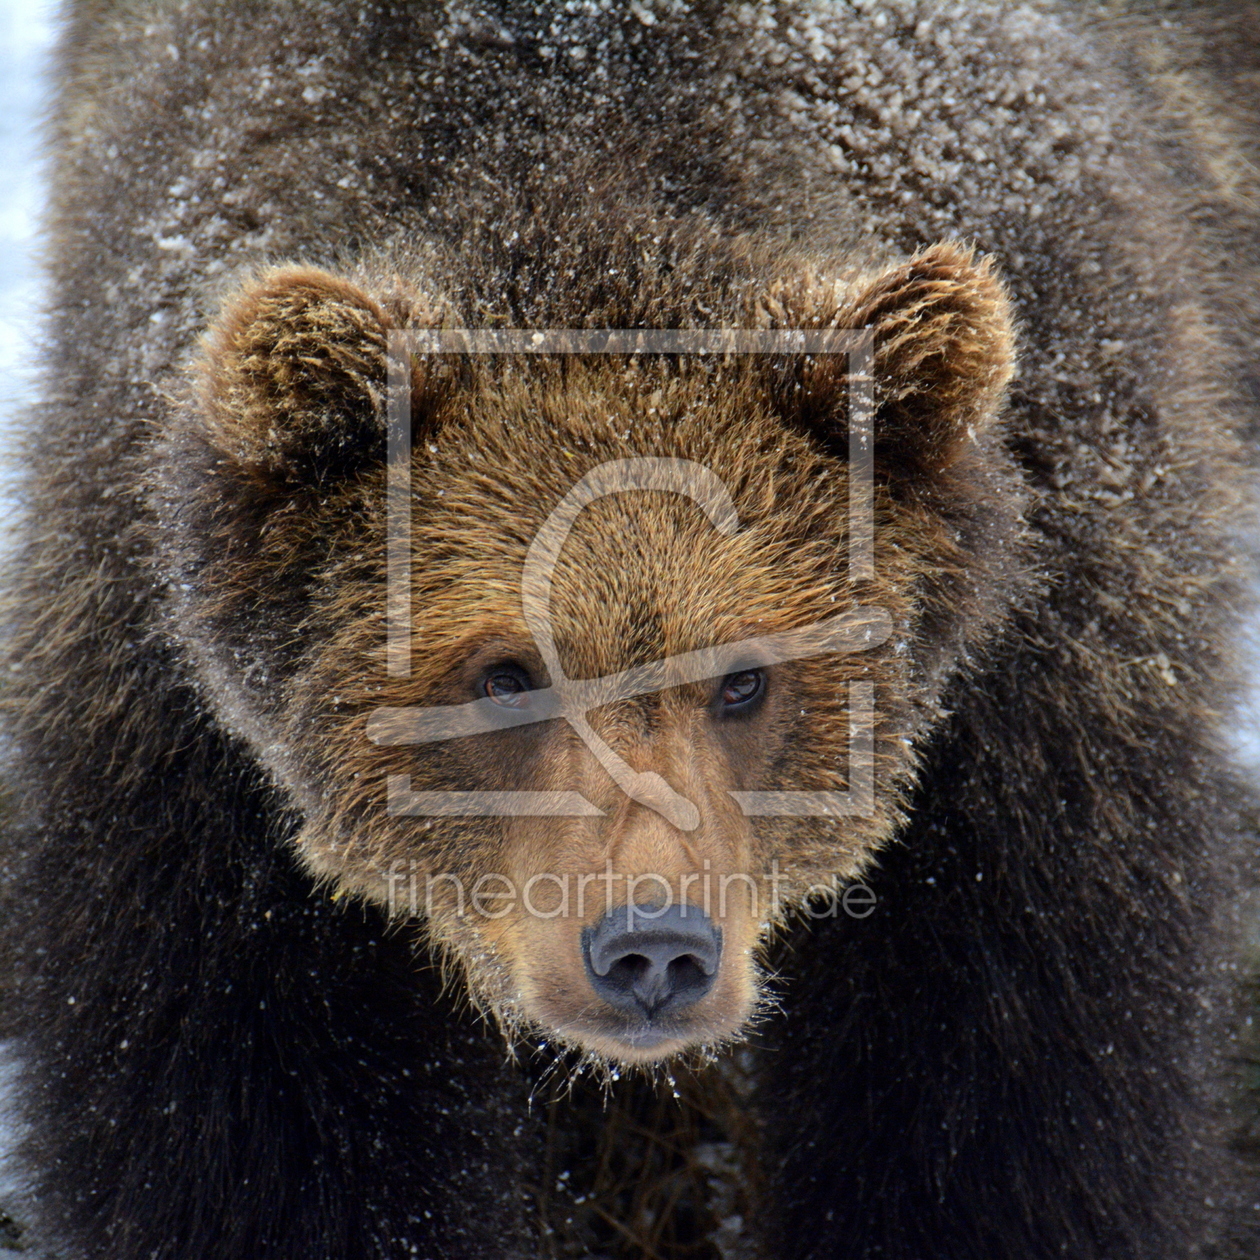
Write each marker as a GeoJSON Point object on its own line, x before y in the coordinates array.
{"type": "Point", "coordinates": [274, 510]}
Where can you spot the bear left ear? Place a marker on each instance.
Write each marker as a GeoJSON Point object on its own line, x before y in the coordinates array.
{"type": "Point", "coordinates": [288, 408]}
{"type": "Point", "coordinates": [944, 352]}
{"type": "Point", "coordinates": [292, 381]}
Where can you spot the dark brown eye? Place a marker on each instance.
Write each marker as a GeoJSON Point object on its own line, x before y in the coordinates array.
{"type": "Point", "coordinates": [742, 690]}
{"type": "Point", "coordinates": [508, 687]}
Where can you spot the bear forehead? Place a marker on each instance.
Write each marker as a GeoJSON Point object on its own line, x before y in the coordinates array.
{"type": "Point", "coordinates": [642, 572]}
{"type": "Point", "coordinates": [499, 462]}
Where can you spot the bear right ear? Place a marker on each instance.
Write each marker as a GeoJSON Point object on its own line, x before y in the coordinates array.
{"type": "Point", "coordinates": [944, 353]}
{"type": "Point", "coordinates": [292, 381]}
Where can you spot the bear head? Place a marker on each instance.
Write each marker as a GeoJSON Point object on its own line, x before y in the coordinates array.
{"type": "Point", "coordinates": [580, 665]}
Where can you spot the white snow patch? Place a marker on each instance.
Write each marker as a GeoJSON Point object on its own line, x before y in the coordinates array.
{"type": "Point", "coordinates": [26, 30]}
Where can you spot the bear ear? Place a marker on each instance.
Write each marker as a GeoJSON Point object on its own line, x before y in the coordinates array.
{"type": "Point", "coordinates": [944, 352]}
{"type": "Point", "coordinates": [292, 380]}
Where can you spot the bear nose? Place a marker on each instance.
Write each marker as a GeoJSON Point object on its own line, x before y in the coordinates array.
{"type": "Point", "coordinates": [652, 961]}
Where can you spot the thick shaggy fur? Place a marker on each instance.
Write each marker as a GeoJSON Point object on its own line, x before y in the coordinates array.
{"type": "Point", "coordinates": [227, 1049]}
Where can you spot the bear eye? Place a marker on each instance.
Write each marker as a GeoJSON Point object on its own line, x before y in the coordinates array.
{"type": "Point", "coordinates": [508, 686]}
{"type": "Point", "coordinates": [740, 691]}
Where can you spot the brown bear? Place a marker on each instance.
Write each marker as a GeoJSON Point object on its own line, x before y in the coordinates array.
{"type": "Point", "coordinates": [635, 540]}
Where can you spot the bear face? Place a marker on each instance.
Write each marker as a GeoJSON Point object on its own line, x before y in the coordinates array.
{"type": "Point", "coordinates": [704, 635]}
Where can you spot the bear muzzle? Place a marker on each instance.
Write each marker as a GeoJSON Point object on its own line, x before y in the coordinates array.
{"type": "Point", "coordinates": [642, 982]}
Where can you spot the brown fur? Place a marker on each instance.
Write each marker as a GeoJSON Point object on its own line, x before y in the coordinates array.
{"type": "Point", "coordinates": [229, 1048]}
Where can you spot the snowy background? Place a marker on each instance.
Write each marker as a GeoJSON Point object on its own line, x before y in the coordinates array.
{"type": "Point", "coordinates": [25, 34]}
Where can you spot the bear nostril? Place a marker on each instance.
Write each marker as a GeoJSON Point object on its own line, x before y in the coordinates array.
{"type": "Point", "coordinates": [651, 961]}
{"type": "Point", "coordinates": [629, 970]}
